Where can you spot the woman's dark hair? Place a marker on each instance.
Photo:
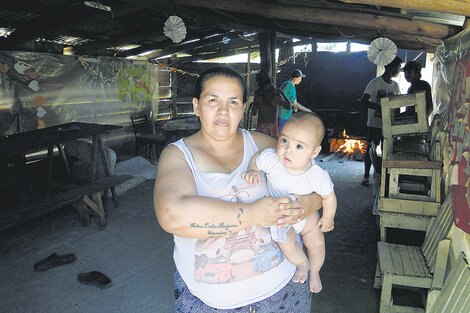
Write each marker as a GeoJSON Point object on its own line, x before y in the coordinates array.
{"type": "Point", "coordinates": [218, 71]}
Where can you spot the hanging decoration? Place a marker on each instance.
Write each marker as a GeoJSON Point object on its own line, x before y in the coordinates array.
{"type": "Point", "coordinates": [225, 39]}
{"type": "Point", "coordinates": [174, 29]}
{"type": "Point", "coordinates": [6, 31]}
{"type": "Point", "coordinates": [382, 51]}
{"type": "Point", "coordinates": [118, 73]}
{"type": "Point", "coordinates": [97, 5]}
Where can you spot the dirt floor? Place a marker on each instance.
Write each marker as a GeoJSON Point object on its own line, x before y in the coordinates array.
{"type": "Point", "coordinates": [137, 255]}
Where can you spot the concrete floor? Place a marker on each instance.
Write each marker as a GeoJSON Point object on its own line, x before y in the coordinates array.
{"type": "Point", "coordinates": [137, 255]}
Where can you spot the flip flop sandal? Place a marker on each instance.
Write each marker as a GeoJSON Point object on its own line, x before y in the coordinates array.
{"type": "Point", "coordinates": [54, 260]}
{"type": "Point", "coordinates": [96, 279]}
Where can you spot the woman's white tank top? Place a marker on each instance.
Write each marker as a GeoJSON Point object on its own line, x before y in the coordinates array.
{"type": "Point", "coordinates": [240, 268]}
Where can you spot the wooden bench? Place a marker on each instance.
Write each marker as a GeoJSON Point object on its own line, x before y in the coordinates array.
{"type": "Point", "coordinates": [412, 266]}
{"type": "Point", "coordinates": [86, 194]}
{"type": "Point", "coordinates": [454, 297]}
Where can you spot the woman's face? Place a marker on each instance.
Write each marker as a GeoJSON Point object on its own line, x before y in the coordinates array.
{"type": "Point", "coordinates": [220, 106]}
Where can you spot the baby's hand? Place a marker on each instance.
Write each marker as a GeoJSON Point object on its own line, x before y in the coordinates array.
{"type": "Point", "coordinates": [326, 224]}
{"type": "Point", "coordinates": [252, 177]}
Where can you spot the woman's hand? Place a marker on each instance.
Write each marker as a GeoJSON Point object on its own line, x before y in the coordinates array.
{"type": "Point", "coordinates": [295, 211]}
{"type": "Point", "coordinates": [266, 211]}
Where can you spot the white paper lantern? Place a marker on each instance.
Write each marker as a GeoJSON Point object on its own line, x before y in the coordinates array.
{"type": "Point", "coordinates": [174, 29]}
{"type": "Point", "coordinates": [382, 51]}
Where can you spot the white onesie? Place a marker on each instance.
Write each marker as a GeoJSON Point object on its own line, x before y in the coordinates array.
{"type": "Point", "coordinates": [281, 183]}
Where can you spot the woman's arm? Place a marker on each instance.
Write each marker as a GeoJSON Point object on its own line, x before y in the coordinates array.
{"type": "Point", "coordinates": [299, 209]}
{"type": "Point", "coordinates": [295, 211]}
{"type": "Point", "coordinates": [182, 212]}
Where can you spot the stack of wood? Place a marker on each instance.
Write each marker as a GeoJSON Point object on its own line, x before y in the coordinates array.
{"type": "Point", "coordinates": [410, 198]}
{"type": "Point", "coordinates": [411, 169]}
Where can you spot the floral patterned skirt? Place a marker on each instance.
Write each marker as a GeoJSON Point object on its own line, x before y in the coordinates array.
{"type": "Point", "coordinates": [294, 297]}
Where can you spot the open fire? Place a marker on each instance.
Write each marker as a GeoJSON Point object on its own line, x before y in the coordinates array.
{"type": "Point", "coordinates": [347, 146]}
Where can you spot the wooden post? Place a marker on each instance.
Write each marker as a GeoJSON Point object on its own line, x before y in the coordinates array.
{"type": "Point", "coordinates": [248, 74]}
{"type": "Point", "coordinates": [174, 84]}
{"type": "Point", "coordinates": [267, 51]}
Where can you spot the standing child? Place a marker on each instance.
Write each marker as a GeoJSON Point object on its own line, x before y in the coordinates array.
{"type": "Point", "coordinates": [291, 169]}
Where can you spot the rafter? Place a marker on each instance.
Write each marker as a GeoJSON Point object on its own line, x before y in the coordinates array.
{"type": "Point", "coordinates": [52, 24]}
{"type": "Point", "coordinates": [460, 7]}
{"type": "Point", "coordinates": [403, 41]}
{"type": "Point", "coordinates": [326, 16]}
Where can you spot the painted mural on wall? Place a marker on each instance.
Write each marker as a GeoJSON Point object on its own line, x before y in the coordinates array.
{"type": "Point", "coordinates": [133, 85]}
{"type": "Point", "coordinates": [455, 56]}
{"type": "Point", "coordinates": [459, 135]}
{"type": "Point", "coordinates": [39, 90]}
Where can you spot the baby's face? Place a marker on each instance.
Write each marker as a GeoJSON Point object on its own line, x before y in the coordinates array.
{"type": "Point", "coordinates": [296, 147]}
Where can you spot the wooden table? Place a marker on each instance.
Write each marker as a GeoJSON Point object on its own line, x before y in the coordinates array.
{"type": "Point", "coordinates": [47, 138]}
{"type": "Point", "coordinates": [17, 145]}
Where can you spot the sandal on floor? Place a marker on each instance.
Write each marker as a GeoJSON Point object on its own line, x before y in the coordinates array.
{"type": "Point", "coordinates": [96, 279]}
{"type": "Point", "coordinates": [365, 181]}
{"type": "Point", "coordinates": [54, 260]}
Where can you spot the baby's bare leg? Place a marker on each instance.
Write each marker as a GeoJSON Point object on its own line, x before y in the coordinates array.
{"type": "Point", "coordinates": [294, 253]}
{"type": "Point", "coordinates": [314, 241]}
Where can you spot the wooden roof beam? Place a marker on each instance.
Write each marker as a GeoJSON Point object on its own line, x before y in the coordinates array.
{"type": "Point", "coordinates": [459, 7]}
{"type": "Point", "coordinates": [360, 35]}
{"type": "Point", "coordinates": [327, 16]}
{"type": "Point", "coordinates": [172, 48]}
{"type": "Point", "coordinates": [218, 54]}
{"type": "Point", "coordinates": [52, 23]}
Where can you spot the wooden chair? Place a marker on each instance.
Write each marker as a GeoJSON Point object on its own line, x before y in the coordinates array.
{"type": "Point", "coordinates": [454, 295]}
{"type": "Point", "coordinates": [144, 135]}
{"type": "Point", "coordinates": [400, 124]}
{"type": "Point", "coordinates": [412, 266]}
{"type": "Point", "coordinates": [397, 213]}
{"type": "Point", "coordinates": [386, 220]}
{"type": "Point", "coordinates": [411, 182]}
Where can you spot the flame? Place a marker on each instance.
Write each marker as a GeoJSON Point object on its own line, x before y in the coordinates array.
{"type": "Point", "coordinates": [347, 145]}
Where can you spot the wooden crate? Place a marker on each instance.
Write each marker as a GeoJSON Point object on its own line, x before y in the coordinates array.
{"type": "Point", "coordinates": [395, 124]}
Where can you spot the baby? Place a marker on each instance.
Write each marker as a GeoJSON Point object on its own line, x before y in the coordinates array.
{"type": "Point", "coordinates": [291, 169]}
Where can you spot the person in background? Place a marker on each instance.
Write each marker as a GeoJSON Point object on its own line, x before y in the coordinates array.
{"type": "Point", "coordinates": [266, 104]}
{"type": "Point", "coordinates": [377, 88]}
{"type": "Point", "coordinates": [226, 261]}
{"type": "Point", "coordinates": [288, 88]}
{"type": "Point", "coordinates": [291, 168]}
{"type": "Point", "coordinates": [412, 71]}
